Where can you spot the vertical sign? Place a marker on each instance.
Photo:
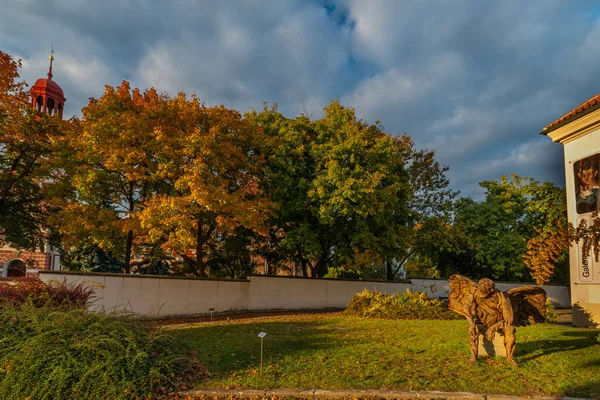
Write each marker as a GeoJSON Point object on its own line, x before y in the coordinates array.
{"type": "Point", "coordinates": [585, 263]}
{"type": "Point", "coordinates": [587, 200]}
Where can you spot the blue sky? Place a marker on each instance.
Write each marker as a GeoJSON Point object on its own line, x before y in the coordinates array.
{"type": "Point", "coordinates": [474, 80]}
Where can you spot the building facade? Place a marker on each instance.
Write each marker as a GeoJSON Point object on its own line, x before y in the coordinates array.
{"type": "Point", "coordinates": [579, 132]}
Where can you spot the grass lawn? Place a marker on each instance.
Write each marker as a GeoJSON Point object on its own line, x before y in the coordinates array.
{"type": "Point", "coordinates": [336, 352]}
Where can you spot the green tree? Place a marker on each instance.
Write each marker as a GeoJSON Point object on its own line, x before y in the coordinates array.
{"type": "Point", "coordinates": [346, 191]}
{"type": "Point", "coordinates": [499, 227]}
{"type": "Point", "coordinates": [429, 211]}
{"type": "Point", "coordinates": [232, 256]}
{"type": "Point", "coordinates": [89, 258]}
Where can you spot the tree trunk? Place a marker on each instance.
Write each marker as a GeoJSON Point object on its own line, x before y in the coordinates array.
{"type": "Point", "coordinates": [312, 268]}
{"type": "Point", "coordinates": [199, 253]}
{"type": "Point", "coordinates": [320, 268]}
{"type": "Point", "coordinates": [303, 266]}
{"type": "Point", "coordinates": [129, 245]}
{"type": "Point", "coordinates": [128, 252]}
{"type": "Point", "coordinates": [322, 264]}
{"type": "Point", "coordinates": [389, 271]}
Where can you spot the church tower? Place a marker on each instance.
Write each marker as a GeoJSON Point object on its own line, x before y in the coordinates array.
{"type": "Point", "coordinates": [46, 95]}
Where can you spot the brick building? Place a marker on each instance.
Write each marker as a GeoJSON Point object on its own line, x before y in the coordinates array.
{"type": "Point", "coordinates": [46, 96]}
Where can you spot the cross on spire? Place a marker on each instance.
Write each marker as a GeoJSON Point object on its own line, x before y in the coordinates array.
{"type": "Point", "coordinates": [51, 59]}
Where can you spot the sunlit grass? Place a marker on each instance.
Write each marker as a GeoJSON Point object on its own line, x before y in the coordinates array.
{"type": "Point", "coordinates": [335, 352]}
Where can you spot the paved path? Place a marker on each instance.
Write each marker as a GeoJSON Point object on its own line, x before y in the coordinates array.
{"type": "Point", "coordinates": [352, 394]}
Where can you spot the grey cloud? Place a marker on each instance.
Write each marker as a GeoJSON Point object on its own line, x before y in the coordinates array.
{"type": "Point", "coordinates": [475, 80]}
{"type": "Point", "coordinates": [512, 73]}
{"type": "Point", "coordinates": [291, 61]}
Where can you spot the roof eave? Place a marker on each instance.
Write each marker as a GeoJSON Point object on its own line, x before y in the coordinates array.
{"type": "Point", "coordinates": [580, 114]}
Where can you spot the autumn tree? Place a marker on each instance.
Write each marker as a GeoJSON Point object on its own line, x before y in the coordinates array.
{"type": "Point", "coordinates": [547, 251]}
{"type": "Point", "coordinates": [112, 163]}
{"type": "Point", "coordinates": [211, 198]}
{"type": "Point", "coordinates": [212, 187]}
{"type": "Point", "coordinates": [27, 139]}
{"type": "Point", "coordinates": [161, 179]}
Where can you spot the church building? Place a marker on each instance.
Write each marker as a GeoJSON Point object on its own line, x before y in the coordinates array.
{"type": "Point", "coordinates": [48, 97]}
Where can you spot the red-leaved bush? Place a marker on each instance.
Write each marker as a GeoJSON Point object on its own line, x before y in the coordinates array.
{"type": "Point", "coordinates": [18, 291]}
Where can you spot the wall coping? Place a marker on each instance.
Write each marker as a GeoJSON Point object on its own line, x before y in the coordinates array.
{"type": "Point", "coordinates": [406, 281]}
{"type": "Point", "coordinates": [325, 279]}
{"type": "Point", "coordinates": [495, 281]}
{"type": "Point", "coordinates": [110, 274]}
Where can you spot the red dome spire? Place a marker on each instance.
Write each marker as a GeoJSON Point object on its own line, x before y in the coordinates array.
{"type": "Point", "coordinates": [51, 59]}
{"type": "Point", "coordinates": [46, 95]}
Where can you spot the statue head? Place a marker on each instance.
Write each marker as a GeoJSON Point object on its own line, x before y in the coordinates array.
{"type": "Point", "coordinates": [486, 286]}
{"type": "Point", "coordinates": [587, 175]}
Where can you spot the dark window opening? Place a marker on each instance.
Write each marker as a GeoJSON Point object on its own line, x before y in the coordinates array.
{"type": "Point", "coordinates": [50, 105]}
{"type": "Point", "coordinates": [16, 268]}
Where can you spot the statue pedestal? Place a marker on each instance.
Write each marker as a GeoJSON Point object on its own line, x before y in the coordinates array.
{"type": "Point", "coordinates": [494, 348]}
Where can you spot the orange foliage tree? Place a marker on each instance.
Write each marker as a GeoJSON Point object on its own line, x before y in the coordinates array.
{"type": "Point", "coordinates": [212, 185]}
{"type": "Point", "coordinates": [27, 139]}
{"type": "Point", "coordinates": [160, 177]}
{"type": "Point", "coordinates": [545, 250]}
{"type": "Point", "coordinates": [112, 163]}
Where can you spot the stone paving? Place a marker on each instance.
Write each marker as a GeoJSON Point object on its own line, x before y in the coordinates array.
{"type": "Point", "coordinates": [354, 394]}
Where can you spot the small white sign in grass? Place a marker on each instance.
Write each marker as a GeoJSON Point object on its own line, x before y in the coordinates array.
{"type": "Point", "coordinates": [262, 337]}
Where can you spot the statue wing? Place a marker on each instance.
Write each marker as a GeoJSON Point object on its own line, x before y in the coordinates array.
{"type": "Point", "coordinates": [461, 295]}
{"type": "Point", "coordinates": [528, 304]}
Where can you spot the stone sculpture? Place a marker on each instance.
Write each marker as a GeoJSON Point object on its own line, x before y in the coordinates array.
{"type": "Point", "coordinates": [490, 311]}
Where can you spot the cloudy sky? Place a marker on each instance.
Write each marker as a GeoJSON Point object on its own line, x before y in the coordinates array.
{"type": "Point", "coordinates": [474, 80]}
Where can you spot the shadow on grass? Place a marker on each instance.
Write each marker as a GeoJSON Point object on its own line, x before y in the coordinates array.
{"type": "Point", "coordinates": [531, 350]}
{"type": "Point", "coordinates": [232, 348]}
{"type": "Point", "coordinates": [590, 390]}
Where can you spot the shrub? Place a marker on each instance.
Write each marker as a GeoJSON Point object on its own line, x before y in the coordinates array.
{"type": "Point", "coordinates": [343, 273]}
{"type": "Point", "coordinates": [19, 291]}
{"type": "Point", "coordinates": [50, 353]}
{"type": "Point", "coordinates": [410, 305]}
{"type": "Point", "coordinates": [551, 315]}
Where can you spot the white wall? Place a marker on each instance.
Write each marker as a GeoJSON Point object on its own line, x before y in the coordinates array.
{"type": "Point", "coordinates": [585, 287]}
{"type": "Point", "coordinates": [162, 296]}
{"type": "Point", "coordinates": [268, 292]}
